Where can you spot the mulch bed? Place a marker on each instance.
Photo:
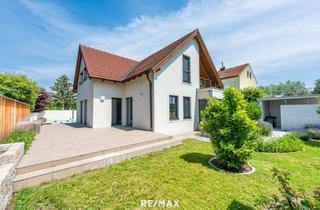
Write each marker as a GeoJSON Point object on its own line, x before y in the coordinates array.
{"type": "Point", "coordinates": [245, 169]}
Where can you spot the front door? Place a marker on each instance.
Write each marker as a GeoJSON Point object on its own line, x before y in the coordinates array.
{"type": "Point", "coordinates": [116, 111]}
{"type": "Point", "coordinates": [129, 111]}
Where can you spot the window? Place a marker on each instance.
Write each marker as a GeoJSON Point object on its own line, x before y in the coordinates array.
{"type": "Point", "coordinates": [248, 74]}
{"type": "Point", "coordinates": [85, 74]}
{"type": "Point", "coordinates": [173, 108]}
{"type": "Point", "coordinates": [186, 69]}
{"type": "Point", "coordinates": [81, 78]}
{"type": "Point", "coordinates": [186, 108]}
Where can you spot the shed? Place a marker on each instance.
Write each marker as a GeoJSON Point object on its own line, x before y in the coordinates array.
{"type": "Point", "coordinates": [291, 112]}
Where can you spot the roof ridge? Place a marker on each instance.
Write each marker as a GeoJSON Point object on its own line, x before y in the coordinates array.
{"type": "Point", "coordinates": [245, 64]}
{"type": "Point", "coordinates": [102, 51]}
{"type": "Point", "coordinates": [163, 48]}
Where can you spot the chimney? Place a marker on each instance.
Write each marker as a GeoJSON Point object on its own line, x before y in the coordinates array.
{"type": "Point", "coordinates": [222, 67]}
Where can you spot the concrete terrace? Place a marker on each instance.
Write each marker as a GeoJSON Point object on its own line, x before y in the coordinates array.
{"type": "Point", "coordinates": [62, 150]}
{"type": "Point", "coordinates": [63, 141]}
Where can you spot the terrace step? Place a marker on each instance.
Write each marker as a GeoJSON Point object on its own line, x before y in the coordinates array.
{"type": "Point", "coordinates": [62, 171]}
{"type": "Point", "coordinates": [49, 164]}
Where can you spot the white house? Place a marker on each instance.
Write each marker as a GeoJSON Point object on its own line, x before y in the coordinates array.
{"type": "Point", "coordinates": [164, 92]}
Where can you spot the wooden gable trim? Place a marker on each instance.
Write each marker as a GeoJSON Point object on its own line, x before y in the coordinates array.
{"type": "Point", "coordinates": [77, 71]}
{"type": "Point", "coordinates": [173, 52]}
{"type": "Point", "coordinates": [203, 54]}
{"type": "Point", "coordinates": [76, 74]}
{"type": "Point", "coordinates": [214, 72]}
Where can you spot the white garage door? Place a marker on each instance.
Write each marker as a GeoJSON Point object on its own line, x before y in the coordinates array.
{"type": "Point", "coordinates": [297, 116]}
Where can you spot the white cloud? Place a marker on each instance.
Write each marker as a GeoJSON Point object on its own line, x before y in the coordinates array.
{"type": "Point", "coordinates": [264, 33]}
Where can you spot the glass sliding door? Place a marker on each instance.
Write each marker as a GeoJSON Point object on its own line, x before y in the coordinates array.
{"type": "Point", "coordinates": [116, 111]}
{"type": "Point", "coordinates": [129, 111]}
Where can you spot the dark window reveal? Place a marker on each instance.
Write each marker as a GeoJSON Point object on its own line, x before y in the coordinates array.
{"type": "Point", "coordinates": [186, 69]}
{"type": "Point", "coordinates": [186, 108]}
{"type": "Point", "coordinates": [173, 108]}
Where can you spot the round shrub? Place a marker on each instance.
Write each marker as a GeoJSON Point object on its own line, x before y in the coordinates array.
{"type": "Point", "coordinates": [265, 129]}
{"type": "Point", "coordinates": [286, 143]}
{"type": "Point", "coordinates": [254, 110]}
{"type": "Point", "coordinates": [230, 128]}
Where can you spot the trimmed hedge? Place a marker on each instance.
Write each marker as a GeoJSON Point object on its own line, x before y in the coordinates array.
{"type": "Point", "coordinates": [264, 129]}
{"type": "Point", "coordinates": [306, 135]}
{"type": "Point", "coordinates": [26, 136]}
{"type": "Point", "coordinates": [286, 143]}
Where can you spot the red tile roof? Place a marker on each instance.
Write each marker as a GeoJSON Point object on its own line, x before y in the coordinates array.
{"type": "Point", "coordinates": [108, 66]}
{"type": "Point", "coordinates": [232, 72]}
{"type": "Point", "coordinates": [104, 65]}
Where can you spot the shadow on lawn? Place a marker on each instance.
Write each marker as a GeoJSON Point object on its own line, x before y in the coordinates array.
{"type": "Point", "coordinates": [238, 205]}
{"type": "Point", "coordinates": [195, 157]}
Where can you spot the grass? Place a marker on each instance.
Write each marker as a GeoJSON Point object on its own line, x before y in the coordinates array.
{"type": "Point", "coordinates": [26, 136]}
{"type": "Point", "coordinates": [180, 173]}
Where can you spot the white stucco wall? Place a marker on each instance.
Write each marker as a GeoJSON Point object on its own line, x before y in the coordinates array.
{"type": "Point", "coordinates": [168, 81]}
{"type": "Point", "coordinates": [85, 92]}
{"type": "Point", "coordinates": [102, 109]}
{"type": "Point", "coordinates": [297, 116]}
{"type": "Point", "coordinates": [56, 116]}
{"type": "Point", "coordinates": [231, 82]}
{"type": "Point", "coordinates": [138, 89]}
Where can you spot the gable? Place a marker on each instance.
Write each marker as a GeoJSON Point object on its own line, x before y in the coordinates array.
{"type": "Point", "coordinates": [107, 66]}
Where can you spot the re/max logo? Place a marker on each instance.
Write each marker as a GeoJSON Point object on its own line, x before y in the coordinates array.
{"type": "Point", "coordinates": [159, 203]}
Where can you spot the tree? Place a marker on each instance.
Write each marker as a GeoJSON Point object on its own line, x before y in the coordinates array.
{"type": "Point", "coordinates": [289, 88]}
{"type": "Point", "coordinates": [62, 96]}
{"type": "Point", "coordinates": [42, 101]}
{"type": "Point", "coordinates": [230, 128]}
{"type": "Point", "coordinates": [316, 89]}
{"type": "Point", "coordinates": [252, 94]}
{"type": "Point", "coordinates": [19, 87]}
{"type": "Point", "coordinates": [254, 110]}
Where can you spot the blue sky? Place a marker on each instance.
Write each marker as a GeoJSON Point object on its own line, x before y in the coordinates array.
{"type": "Point", "coordinates": [280, 38]}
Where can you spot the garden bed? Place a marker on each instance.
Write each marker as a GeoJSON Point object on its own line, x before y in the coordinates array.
{"type": "Point", "coordinates": [247, 169]}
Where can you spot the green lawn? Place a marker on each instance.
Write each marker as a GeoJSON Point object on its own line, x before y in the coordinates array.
{"type": "Point", "coordinates": [179, 173]}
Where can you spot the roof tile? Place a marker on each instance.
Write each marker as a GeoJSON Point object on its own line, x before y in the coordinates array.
{"type": "Point", "coordinates": [232, 72]}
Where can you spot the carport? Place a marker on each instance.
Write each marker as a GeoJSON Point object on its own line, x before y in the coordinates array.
{"type": "Point", "coordinates": [291, 112]}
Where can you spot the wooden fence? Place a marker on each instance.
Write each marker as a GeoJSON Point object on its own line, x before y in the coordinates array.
{"type": "Point", "coordinates": [11, 113]}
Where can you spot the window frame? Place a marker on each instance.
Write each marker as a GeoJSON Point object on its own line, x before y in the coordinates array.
{"type": "Point", "coordinates": [189, 108]}
{"type": "Point", "coordinates": [188, 67]}
{"type": "Point", "coordinates": [176, 107]}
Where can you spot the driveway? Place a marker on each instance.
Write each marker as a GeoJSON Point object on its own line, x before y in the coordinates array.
{"type": "Point", "coordinates": [60, 141]}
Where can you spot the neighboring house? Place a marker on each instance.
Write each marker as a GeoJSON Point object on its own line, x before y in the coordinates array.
{"type": "Point", "coordinates": [161, 93]}
{"type": "Point", "coordinates": [291, 112]}
{"type": "Point", "coordinates": [238, 76]}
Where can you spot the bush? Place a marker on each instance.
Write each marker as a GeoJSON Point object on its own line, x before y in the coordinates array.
{"type": "Point", "coordinates": [26, 136]}
{"type": "Point", "coordinates": [265, 129]}
{"type": "Point", "coordinates": [252, 94]}
{"type": "Point", "coordinates": [315, 133]}
{"type": "Point", "coordinates": [254, 110]}
{"type": "Point", "coordinates": [230, 129]}
{"type": "Point", "coordinates": [303, 135]}
{"type": "Point", "coordinates": [286, 143]}
{"type": "Point", "coordinates": [291, 198]}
